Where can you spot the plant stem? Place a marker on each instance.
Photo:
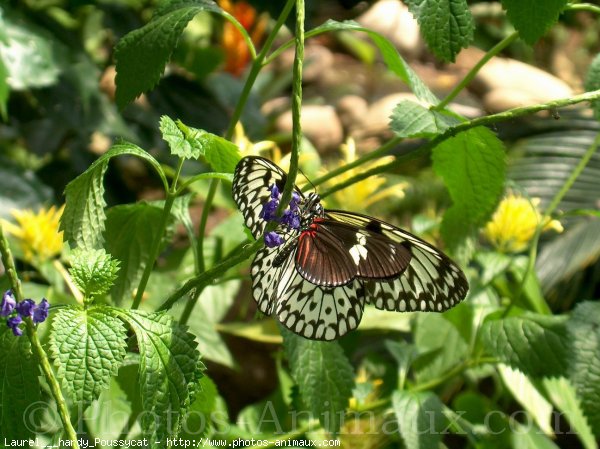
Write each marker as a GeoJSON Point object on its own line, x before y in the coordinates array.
{"type": "Point", "coordinates": [9, 266]}
{"type": "Point", "coordinates": [296, 109]}
{"type": "Point", "coordinates": [162, 226]}
{"type": "Point", "coordinates": [61, 404]}
{"type": "Point", "coordinates": [473, 72]}
{"type": "Point", "coordinates": [255, 69]}
{"type": "Point", "coordinates": [480, 121]}
{"type": "Point", "coordinates": [203, 279]}
{"type": "Point", "coordinates": [68, 280]}
{"type": "Point", "coordinates": [583, 7]}
{"type": "Point", "coordinates": [540, 226]}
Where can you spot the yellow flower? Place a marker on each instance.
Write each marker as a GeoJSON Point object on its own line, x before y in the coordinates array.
{"type": "Point", "coordinates": [514, 223]}
{"type": "Point", "coordinates": [37, 233]}
{"type": "Point", "coordinates": [362, 194]}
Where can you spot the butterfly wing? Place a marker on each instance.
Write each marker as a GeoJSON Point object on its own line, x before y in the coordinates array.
{"type": "Point", "coordinates": [313, 311]}
{"type": "Point", "coordinates": [430, 282]}
{"type": "Point", "coordinates": [334, 252]}
{"type": "Point", "coordinates": [251, 182]}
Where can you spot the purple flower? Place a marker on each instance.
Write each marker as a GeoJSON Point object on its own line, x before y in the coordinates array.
{"type": "Point", "coordinates": [272, 239]}
{"type": "Point", "coordinates": [274, 192]}
{"type": "Point", "coordinates": [295, 201]}
{"type": "Point", "coordinates": [40, 312]}
{"type": "Point", "coordinates": [268, 211]}
{"type": "Point", "coordinates": [25, 308]}
{"type": "Point", "coordinates": [291, 219]}
{"type": "Point", "coordinates": [8, 303]}
{"type": "Point", "coordinates": [13, 323]}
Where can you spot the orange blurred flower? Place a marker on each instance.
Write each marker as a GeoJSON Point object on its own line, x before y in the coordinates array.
{"type": "Point", "coordinates": [237, 54]}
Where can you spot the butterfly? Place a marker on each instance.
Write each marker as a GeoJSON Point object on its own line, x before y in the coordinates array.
{"type": "Point", "coordinates": [320, 267]}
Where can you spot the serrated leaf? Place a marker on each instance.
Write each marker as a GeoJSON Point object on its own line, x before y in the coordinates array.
{"type": "Point", "coordinates": [324, 376]}
{"type": "Point", "coordinates": [526, 394]}
{"type": "Point", "coordinates": [535, 344]}
{"type": "Point", "coordinates": [592, 82]}
{"type": "Point", "coordinates": [473, 167]}
{"type": "Point", "coordinates": [446, 25]}
{"type": "Point", "coordinates": [584, 359]}
{"type": "Point", "coordinates": [391, 57]}
{"type": "Point", "coordinates": [143, 53]}
{"type": "Point", "coordinates": [410, 119]}
{"type": "Point", "coordinates": [88, 347]}
{"type": "Point", "coordinates": [198, 417]}
{"type": "Point", "coordinates": [19, 384]}
{"type": "Point", "coordinates": [531, 19]}
{"type": "Point", "coordinates": [130, 231]}
{"type": "Point", "coordinates": [174, 136]}
{"type": "Point", "coordinates": [420, 418]}
{"type": "Point", "coordinates": [93, 271]}
{"type": "Point", "coordinates": [562, 394]}
{"type": "Point", "coordinates": [168, 374]}
{"type": "Point", "coordinates": [83, 218]}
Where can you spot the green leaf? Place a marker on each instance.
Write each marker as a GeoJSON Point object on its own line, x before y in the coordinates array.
{"type": "Point", "coordinates": [446, 25]}
{"type": "Point", "coordinates": [440, 345]}
{"type": "Point", "coordinates": [32, 56]}
{"type": "Point", "coordinates": [83, 218]}
{"type": "Point", "coordinates": [473, 167]}
{"type": "Point", "coordinates": [174, 136]}
{"type": "Point", "coordinates": [324, 376]}
{"type": "Point", "coordinates": [94, 271]}
{"type": "Point", "coordinates": [391, 57]}
{"type": "Point", "coordinates": [220, 153]}
{"type": "Point", "coordinates": [88, 347]}
{"type": "Point", "coordinates": [561, 393]}
{"type": "Point", "coordinates": [410, 119]}
{"type": "Point", "coordinates": [143, 53]}
{"type": "Point", "coordinates": [404, 353]}
{"type": "Point", "coordinates": [106, 417]}
{"type": "Point", "coordinates": [130, 229]}
{"type": "Point", "coordinates": [420, 417]}
{"type": "Point", "coordinates": [4, 90]}
{"type": "Point", "coordinates": [531, 19]}
{"type": "Point", "coordinates": [584, 361]}
{"type": "Point", "coordinates": [535, 344]}
{"type": "Point", "coordinates": [592, 82]}
{"type": "Point", "coordinates": [170, 369]}
{"type": "Point", "coordinates": [198, 417]}
{"type": "Point", "coordinates": [526, 394]}
{"type": "Point", "coordinates": [19, 384]}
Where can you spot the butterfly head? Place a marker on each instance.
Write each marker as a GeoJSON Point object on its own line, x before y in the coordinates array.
{"type": "Point", "coordinates": [311, 209]}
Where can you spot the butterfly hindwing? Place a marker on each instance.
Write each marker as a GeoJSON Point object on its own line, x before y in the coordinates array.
{"type": "Point", "coordinates": [313, 311]}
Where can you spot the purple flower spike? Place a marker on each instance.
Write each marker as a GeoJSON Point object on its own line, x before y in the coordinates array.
{"type": "Point", "coordinates": [40, 312]}
{"type": "Point", "coordinates": [291, 219]}
{"type": "Point", "coordinates": [13, 323]}
{"type": "Point", "coordinates": [275, 192]}
{"type": "Point", "coordinates": [25, 308]}
{"type": "Point", "coordinates": [272, 239]}
{"type": "Point", "coordinates": [268, 211]}
{"type": "Point", "coordinates": [295, 201]}
{"type": "Point", "coordinates": [8, 303]}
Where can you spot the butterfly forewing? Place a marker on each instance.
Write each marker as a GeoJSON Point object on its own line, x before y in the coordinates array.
{"type": "Point", "coordinates": [251, 182]}
{"type": "Point", "coordinates": [431, 282]}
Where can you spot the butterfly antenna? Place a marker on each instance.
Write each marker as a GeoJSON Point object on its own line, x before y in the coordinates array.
{"type": "Point", "coordinates": [306, 177]}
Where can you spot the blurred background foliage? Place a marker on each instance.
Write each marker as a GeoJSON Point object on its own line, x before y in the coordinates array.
{"type": "Point", "coordinates": [59, 115]}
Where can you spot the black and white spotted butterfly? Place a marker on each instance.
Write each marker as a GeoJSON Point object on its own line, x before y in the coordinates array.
{"type": "Point", "coordinates": [320, 267]}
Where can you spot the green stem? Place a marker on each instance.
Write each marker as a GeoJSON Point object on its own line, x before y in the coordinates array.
{"type": "Point", "coordinates": [203, 279]}
{"type": "Point", "coordinates": [480, 121]}
{"type": "Point", "coordinates": [540, 226]}
{"type": "Point", "coordinates": [473, 72]}
{"type": "Point", "coordinates": [9, 266]}
{"type": "Point", "coordinates": [255, 69]}
{"type": "Point", "coordinates": [242, 31]}
{"type": "Point", "coordinates": [583, 7]}
{"type": "Point", "coordinates": [379, 152]}
{"type": "Point", "coordinates": [162, 226]}
{"type": "Point", "coordinates": [296, 109]}
{"type": "Point", "coordinates": [61, 404]}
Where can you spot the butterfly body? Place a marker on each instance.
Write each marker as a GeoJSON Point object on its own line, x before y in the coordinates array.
{"type": "Point", "coordinates": [320, 267]}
